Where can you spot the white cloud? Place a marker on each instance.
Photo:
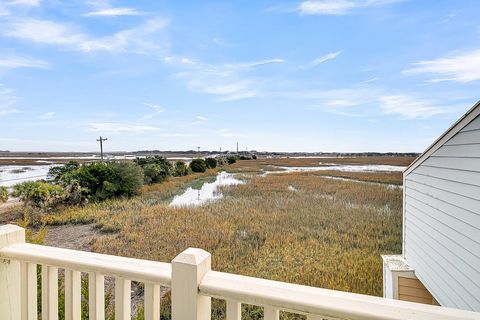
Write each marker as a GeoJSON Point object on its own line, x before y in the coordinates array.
{"type": "Point", "coordinates": [30, 3]}
{"type": "Point", "coordinates": [68, 36]}
{"type": "Point", "coordinates": [371, 80]}
{"type": "Point", "coordinates": [409, 107]}
{"type": "Point", "coordinates": [13, 62]}
{"type": "Point", "coordinates": [362, 100]}
{"type": "Point", "coordinates": [337, 7]}
{"type": "Point", "coordinates": [8, 101]}
{"type": "Point", "coordinates": [325, 58]}
{"type": "Point", "coordinates": [202, 118]}
{"type": "Point", "coordinates": [227, 81]}
{"type": "Point", "coordinates": [154, 106]}
{"type": "Point", "coordinates": [4, 11]}
{"type": "Point", "coordinates": [461, 68]}
{"type": "Point", "coordinates": [46, 115]}
{"type": "Point", "coordinates": [327, 7]}
{"type": "Point", "coordinates": [256, 63]}
{"type": "Point", "coordinates": [157, 110]}
{"type": "Point", "coordinates": [116, 127]}
{"type": "Point", "coordinates": [114, 12]}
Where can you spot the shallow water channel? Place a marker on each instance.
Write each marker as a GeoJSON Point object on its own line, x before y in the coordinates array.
{"type": "Point", "coordinates": [207, 191]}
{"type": "Point", "coordinates": [341, 167]}
{"type": "Point", "coordinates": [13, 174]}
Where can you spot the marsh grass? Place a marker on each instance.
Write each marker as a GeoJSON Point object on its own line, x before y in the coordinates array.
{"type": "Point", "coordinates": [329, 233]}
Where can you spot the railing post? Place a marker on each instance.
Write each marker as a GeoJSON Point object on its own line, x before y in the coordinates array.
{"type": "Point", "coordinates": [188, 269]}
{"type": "Point", "coordinates": [10, 284]}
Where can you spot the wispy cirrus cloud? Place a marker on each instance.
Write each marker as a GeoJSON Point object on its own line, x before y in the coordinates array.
{"type": "Point", "coordinates": [463, 67]}
{"type": "Point", "coordinates": [157, 110]}
{"type": "Point", "coordinates": [368, 101]}
{"type": "Point", "coordinates": [409, 107]}
{"type": "Point", "coordinates": [14, 62]}
{"type": "Point", "coordinates": [70, 37]}
{"type": "Point", "coordinates": [5, 6]}
{"type": "Point", "coordinates": [337, 7]}
{"type": "Point", "coordinates": [8, 101]}
{"type": "Point", "coordinates": [317, 61]}
{"type": "Point", "coordinates": [120, 127]}
{"type": "Point", "coordinates": [232, 81]}
{"type": "Point", "coordinates": [46, 115]}
{"type": "Point", "coordinates": [114, 12]}
{"type": "Point", "coordinates": [33, 3]}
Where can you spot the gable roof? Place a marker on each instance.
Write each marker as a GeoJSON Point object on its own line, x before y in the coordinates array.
{"type": "Point", "coordinates": [454, 129]}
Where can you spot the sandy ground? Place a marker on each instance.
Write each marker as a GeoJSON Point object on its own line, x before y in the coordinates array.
{"type": "Point", "coordinates": [74, 236]}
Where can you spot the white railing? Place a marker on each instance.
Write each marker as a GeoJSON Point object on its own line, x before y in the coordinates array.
{"type": "Point", "coordinates": [192, 284]}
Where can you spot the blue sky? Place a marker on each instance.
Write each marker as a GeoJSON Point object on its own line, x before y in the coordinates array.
{"type": "Point", "coordinates": [345, 75]}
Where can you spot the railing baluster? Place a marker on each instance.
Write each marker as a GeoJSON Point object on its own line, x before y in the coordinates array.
{"type": "Point", "coordinates": [152, 301]}
{"type": "Point", "coordinates": [73, 295]}
{"type": "Point", "coordinates": [96, 296]}
{"type": "Point", "coordinates": [234, 310]}
{"type": "Point", "coordinates": [271, 313]}
{"type": "Point", "coordinates": [29, 290]}
{"type": "Point", "coordinates": [49, 293]}
{"type": "Point", "coordinates": [123, 297]}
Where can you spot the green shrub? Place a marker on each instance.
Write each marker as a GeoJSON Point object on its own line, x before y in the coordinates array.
{"type": "Point", "coordinates": [198, 165]}
{"type": "Point", "coordinates": [3, 194]}
{"type": "Point", "coordinates": [181, 169]}
{"type": "Point", "coordinates": [231, 159]}
{"type": "Point", "coordinates": [211, 163]}
{"type": "Point", "coordinates": [57, 173]}
{"type": "Point", "coordinates": [221, 161]}
{"type": "Point", "coordinates": [154, 173]}
{"type": "Point", "coordinates": [156, 169]}
{"type": "Point", "coordinates": [100, 181]}
{"type": "Point", "coordinates": [38, 193]}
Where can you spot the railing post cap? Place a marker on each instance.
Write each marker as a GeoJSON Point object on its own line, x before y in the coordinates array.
{"type": "Point", "coordinates": [192, 256]}
{"type": "Point", "coordinates": [11, 234]}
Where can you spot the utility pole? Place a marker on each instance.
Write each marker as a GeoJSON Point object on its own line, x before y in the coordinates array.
{"type": "Point", "coordinates": [198, 149]}
{"type": "Point", "coordinates": [237, 147]}
{"type": "Point", "coordinates": [101, 145]}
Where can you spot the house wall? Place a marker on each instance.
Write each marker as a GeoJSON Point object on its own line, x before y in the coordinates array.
{"type": "Point", "coordinates": [442, 220]}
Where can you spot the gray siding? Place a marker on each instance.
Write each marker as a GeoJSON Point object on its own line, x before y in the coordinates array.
{"type": "Point", "coordinates": [442, 220]}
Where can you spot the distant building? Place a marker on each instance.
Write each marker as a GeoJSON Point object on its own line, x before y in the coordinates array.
{"type": "Point", "coordinates": [440, 262]}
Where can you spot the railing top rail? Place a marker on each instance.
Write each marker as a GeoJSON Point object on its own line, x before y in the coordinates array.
{"type": "Point", "coordinates": [133, 269]}
{"type": "Point", "coordinates": [323, 302]}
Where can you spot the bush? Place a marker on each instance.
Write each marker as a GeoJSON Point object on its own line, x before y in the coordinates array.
{"type": "Point", "coordinates": [198, 165]}
{"type": "Point", "coordinates": [156, 169]}
{"type": "Point", "coordinates": [211, 163]}
{"type": "Point", "coordinates": [221, 162]}
{"type": "Point", "coordinates": [3, 194]}
{"type": "Point", "coordinates": [126, 181]}
{"type": "Point", "coordinates": [153, 173]}
{"type": "Point", "coordinates": [231, 159]}
{"type": "Point", "coordinates": [100, 181]}
{"type": "Point", "coordinates": [38, 193]}
{"type": "Point", "coordinates": [57, 173]}
{"type": "Point", "coordinates": [254, 156]}
{"type": "Point", "coordinates": [181, 169]}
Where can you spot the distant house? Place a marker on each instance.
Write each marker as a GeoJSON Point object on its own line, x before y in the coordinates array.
{"type": "Point", "coordinates": [440, 262]}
